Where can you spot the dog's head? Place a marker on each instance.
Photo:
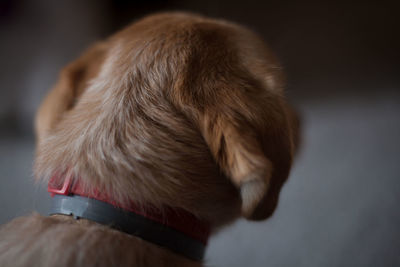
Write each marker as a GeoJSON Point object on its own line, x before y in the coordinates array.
{"type": "Point", "coordinates": [175, 110]}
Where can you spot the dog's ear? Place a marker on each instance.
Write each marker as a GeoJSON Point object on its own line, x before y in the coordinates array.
{"type": "Point", "coordinates": [72, 82]}
{"type": "Point", "coordinates": [249, 134]}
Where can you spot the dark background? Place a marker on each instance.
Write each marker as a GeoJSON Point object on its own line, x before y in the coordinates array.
{"type": "Point", "coordinates": [340, 206]}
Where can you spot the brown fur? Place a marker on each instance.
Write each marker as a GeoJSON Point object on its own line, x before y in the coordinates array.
{"type": "Point", "coordinates": [175, 110]}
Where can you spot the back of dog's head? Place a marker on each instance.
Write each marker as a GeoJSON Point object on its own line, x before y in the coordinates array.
{"type": "Point", "coordinates": [175, 110]}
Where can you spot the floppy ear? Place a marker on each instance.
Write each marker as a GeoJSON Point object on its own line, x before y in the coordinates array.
{"type": "Point", "coordinates": [72, 81]}
{"type": "Point", "coordinates": [248, 133]}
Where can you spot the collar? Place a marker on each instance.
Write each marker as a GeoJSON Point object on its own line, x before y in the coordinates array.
{"type": "Point", "coordinates": [174, 229]}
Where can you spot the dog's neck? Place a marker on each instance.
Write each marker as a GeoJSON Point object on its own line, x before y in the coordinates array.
{"type": "Point", "coordinates": [174, 229]}
{"type": "Point", "coordinates": [136, 252]}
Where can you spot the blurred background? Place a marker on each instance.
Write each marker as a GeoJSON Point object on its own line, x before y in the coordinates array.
{"type": "Point", "coordinates": [341, 205]}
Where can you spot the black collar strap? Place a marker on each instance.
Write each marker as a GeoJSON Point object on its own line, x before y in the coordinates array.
{"type": "Point", "coordinates": [128, 222]}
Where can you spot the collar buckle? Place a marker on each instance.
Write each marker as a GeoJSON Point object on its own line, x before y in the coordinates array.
{"type": "Point", "coordinates": [65, 189]}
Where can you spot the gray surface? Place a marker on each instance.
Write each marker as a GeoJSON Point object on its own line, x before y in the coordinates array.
{"type": "Point", "coordinates": [341, 204]}
{"type": "Point", "coordinates": [339, 208]}
{"type": "Point", "coordinates": [19, 195]}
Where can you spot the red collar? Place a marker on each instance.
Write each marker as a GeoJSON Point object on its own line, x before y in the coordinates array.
{"type": "Point", "coordinates": [176, 219]}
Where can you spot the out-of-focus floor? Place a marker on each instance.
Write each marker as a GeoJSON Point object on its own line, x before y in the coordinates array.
{"type": "Point", "coordinates": [341, 204]}
{"type": "Point", "coordinates": [339, 208]}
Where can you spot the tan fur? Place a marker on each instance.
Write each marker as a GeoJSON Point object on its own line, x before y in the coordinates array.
{"type": "Point", "coordinates": [54, 241]}
{"type": "Point", "coordinates": [177, 110]}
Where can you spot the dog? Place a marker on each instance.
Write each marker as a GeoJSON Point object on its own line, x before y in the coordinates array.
{"type": "Point", "coordinates": [151, 140]}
